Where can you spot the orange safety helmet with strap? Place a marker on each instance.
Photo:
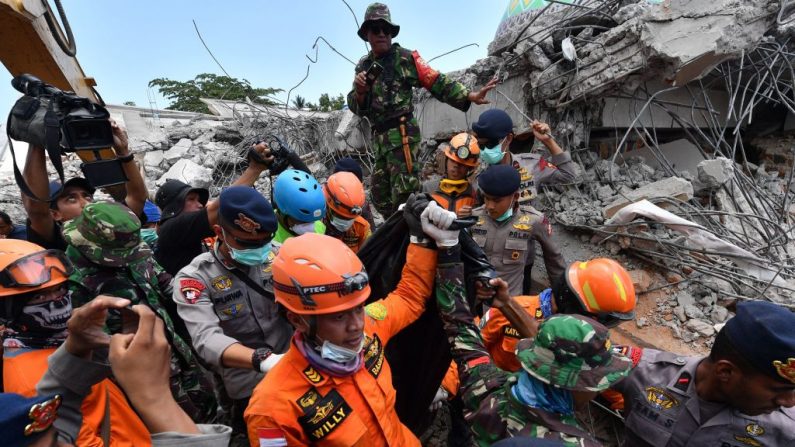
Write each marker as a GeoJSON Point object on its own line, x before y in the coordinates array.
{"type": "Point", "coordinates": [26, 267]}
{"type": "Point", "coordinates": [464, 149]}
{"type": "Point", "coordinates": [603, 288]}
{"type": "Point", "coordinates": [315, 274]}
{"type": "Point", "coordinates": [344, 194]}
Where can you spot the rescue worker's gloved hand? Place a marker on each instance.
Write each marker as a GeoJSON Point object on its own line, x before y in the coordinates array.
{"type": "Point", "coordinates": [412, 209]}
{"type": "Point", "coordinates": [270, 362]}
{"type": "Point", "coordinates": [435, 223]}
{"type": "Point", "coordinates": [438, 399]}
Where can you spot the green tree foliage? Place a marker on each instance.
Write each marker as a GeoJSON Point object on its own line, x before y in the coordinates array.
{"type": "Point", "coordinates": [185, 95]}
{"type": "Point", "coordinates": [327, 103]}
{"type": "Point", "coordinates": [299, 102]}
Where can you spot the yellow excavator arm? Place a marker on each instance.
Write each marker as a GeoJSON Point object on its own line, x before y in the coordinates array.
{"type": "Point", "coordinates": [32, 41]}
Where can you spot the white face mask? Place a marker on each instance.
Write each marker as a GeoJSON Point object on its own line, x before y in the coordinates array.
{"type": "Point", "coordinates": [303, 228]}
{"type": "Point", "coordinates": [341, 224]}
{"type": "Point", "coordinates": [339, 354]}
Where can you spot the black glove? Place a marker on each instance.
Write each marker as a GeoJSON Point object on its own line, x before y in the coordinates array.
{"type": "Point", "coordinates": [414, 206]}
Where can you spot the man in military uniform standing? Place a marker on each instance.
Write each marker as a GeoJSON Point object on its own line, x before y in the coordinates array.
{"type": "Point", "coordinates": [507, 232]}
{"type": "Point", "coordinates": [382, 92]}
{"type": "Point", "coordinates": [494, 129]}
{"type": "Point", "coordinates": [226, 300]}
{"type": "Point", "coordinates": [740, 395]}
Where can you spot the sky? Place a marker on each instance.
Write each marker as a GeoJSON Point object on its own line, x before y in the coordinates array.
{"type": "Point", "coordinates": [125, 44]}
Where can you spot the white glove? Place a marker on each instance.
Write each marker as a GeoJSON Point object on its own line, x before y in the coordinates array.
{"type": "Point", "coordinates": [438, 399]}
{"type": "Point", "coordinates": [435, 223]}
{"type": "Point", "coordinates": [270, 362]}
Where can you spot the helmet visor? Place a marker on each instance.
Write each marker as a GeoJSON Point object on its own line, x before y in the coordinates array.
{"type": "Point", "coordinates": [36, 269]}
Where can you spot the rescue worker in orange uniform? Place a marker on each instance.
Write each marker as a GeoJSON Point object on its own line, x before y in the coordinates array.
{"type": "Point", "coordinates": [454, 192]}
{"type": "Point", "coordinates": [600, 289]}
{"type": "Point", "coordinates": [334, 384]}
{"type": "Point", "coordinates": [34, 307]}
{"type": "Point", "coordinates": [344, 205]}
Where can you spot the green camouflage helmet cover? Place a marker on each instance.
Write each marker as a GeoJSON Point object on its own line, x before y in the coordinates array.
{"type": "Point", "coordinates": [107, 234]}
{"type": "Point", "coordinates": [376, 12]}
{"type": "Point", "coordinates": [572, 352]}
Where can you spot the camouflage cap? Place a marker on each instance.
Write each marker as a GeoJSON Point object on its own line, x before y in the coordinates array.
{"type": "Point", "coordinates": [572, 352]}
{"type": "Point", "coordinates": [374, 13]}
{"type": "Point", "coordinates": [107, 234]}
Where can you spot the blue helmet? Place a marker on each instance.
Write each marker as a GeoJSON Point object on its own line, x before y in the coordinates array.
{"type": "Point", "coordinates": [298, 195]}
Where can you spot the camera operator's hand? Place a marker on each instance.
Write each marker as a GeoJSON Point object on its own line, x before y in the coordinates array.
{"type": "Point", "coordinates": [264, 152]}
{"type": "Point", "coordinates": [120, 140]}
{"type": "Point", "coordinates": [360, 82]}
{"type": "Point", "coordinates": [86, 325]}
{"type": "Point", "coordinates": [141, 364]}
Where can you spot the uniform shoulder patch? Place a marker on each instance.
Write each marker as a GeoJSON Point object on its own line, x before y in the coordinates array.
{"type": "Point", "coordinates": [376, 310]}
{"type": "Point", "coordinates": [312, 375]}
{"type": "Point", "coordinates": [308, 399]}
{"type": "Point", "coordinates": [221, 283]}
{"type": "Point", "coordinates": [324, 416]}
{"type": "Point", "coordinates": [660, 399]}
{"type": "Point", "coordinates": [374, 355]}
{"type": "Point", "coordinates": [191, 289]}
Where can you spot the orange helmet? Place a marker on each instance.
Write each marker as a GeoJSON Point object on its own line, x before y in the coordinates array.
{"type": "Point", "coordinates": [603, 287]}
{"type": "Point", "coordinates": [314, 274]}
{"type": "Point", "coordinates": [26, 267]}
{"type": "Point", "coordinates": [344, 194]}
{"type": "Point", "coordinates": [464, 149]}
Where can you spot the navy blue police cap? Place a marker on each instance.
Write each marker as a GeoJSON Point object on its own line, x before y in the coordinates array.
{"type": "Point", "coordinates": [499, 180]}
{"type": "Point", "coordinates": [493, 124]}
{"type": "Point", "coordinates": [23, 420]}
{"type": "Point", "coordinates": [245, 209]}
{"type": "Point", "coordinates": [348, 164]}
{"type": "Point", "coordinates": [764, 334]}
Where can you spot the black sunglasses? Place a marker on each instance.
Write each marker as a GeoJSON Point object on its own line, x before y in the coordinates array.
{"type": "Point", "coordinates": [378, 28]}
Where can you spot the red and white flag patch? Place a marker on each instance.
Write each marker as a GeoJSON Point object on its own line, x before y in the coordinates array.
{"type": "Point", "coordinates": [191, 289]}
{"type": "Point", "coordinates": [271, 437]}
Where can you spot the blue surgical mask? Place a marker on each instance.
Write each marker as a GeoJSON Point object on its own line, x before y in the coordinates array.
{"type": "Point", "coordinates": [149, 235]}
{"type": "Point", "coordinates": [340, 223]}
{"type": "Point", "coordinates": [492, 155]}
{"type": "Point", "coordinates": [251, 256]}
{"type": "Point", "coordinates": [303, 228]}
{"type": "Point", "coordinates": [339, 354]}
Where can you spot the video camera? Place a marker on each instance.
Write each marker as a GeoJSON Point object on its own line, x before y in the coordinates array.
{"type": "Point", "coordinates": [63, 122]}
{"type": "Point", "coordinates": [279, 150]}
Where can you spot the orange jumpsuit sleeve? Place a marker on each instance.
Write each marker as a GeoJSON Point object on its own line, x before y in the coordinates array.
{"type": "Point", "coordinates": [451, 382]}
{"type": "Point", "coordinates": [406, 303]}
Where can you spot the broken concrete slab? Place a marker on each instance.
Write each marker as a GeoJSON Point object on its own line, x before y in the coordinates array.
{"type": "Point", "coordinates": [153, 159]}
{"type": "Point", "coordinates": [700, 327]}
{"type": "Point", "coordinates": [672, 187]}
{"type": "Point", "coordinates": [178, 151]}
{"type": "Point", "coordinates": [188, 172]}
{"type": "Point", "coordinates": [715, 173]}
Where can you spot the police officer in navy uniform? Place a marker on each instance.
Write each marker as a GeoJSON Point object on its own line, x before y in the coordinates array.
{"type": "Point", "coordinates": [226, 298]}
{"type": "Point", "coordinates": [740, 395]}
{"type": "Point", "coordinates": [507, 232]}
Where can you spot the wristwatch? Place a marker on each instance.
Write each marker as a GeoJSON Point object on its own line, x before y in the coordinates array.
{"type": "Point", "coordinates": [258, 356]}
{"type": "Point", "coordinates": [126, 158]}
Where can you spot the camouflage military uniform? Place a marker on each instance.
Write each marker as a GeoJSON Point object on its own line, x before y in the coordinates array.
{"type": "Point", "coordinates": [389, 102]}
{"type": "Point", "coordinates": [491, 407]}
{"type": "Point", "coordinates": [110, 258]}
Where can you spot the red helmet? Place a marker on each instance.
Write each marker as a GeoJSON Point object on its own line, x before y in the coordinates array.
{"type": "Point", "coordinates": [315, 274]}
{"type": "Point", "coordinates": [26, 267]}
{"type": "Point", "coordinates": [344, 194]}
